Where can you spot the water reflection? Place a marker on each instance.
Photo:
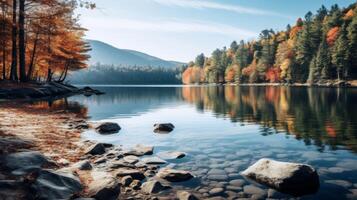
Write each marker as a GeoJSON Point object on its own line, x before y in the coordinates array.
{"type": "Point", "coordinates": [323, 117]}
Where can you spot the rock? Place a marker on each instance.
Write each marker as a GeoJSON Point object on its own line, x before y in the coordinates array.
{"type": "Point", "coordinates": [126, 181]}
{"type": "Point", "coordinates": [131, 159]}
{"type": "Point", "coordinates": [136, 184]}
{"type": "Point", "coordinates": [292, 178]}
{"type": "Point", "coordinates": [56, 185]}
{"type": "Point", "coordinates": [216, 172]}
{"type": "Point", "coordinates": [140, 150]}
{"type": "Point", "coordinates": [82, 165]}
{"type": "Point", "coordinates": [100, 160]}
{"type": "Point", "coordinates": [104, 186]}
{"type": "Point", "coordinates": [218, 177]}
{"type": "Point", "coordinates": [183, 195]}
{"type": "Point", "coordinates": [273, 194]}
{"type": "Point", "coordinates": [96, 149]}
{"type": "Point", "coordinates": [23, 161]}
{"type": "Point", "coordinates": [153, 186]}
{"type": "Point", "coordinates": [63, 162]}
{"type": "Point", "coordinates": [13, 189]}
{"type": "Point", "coordinates": [251, 189]}
{"type": "Point", "coordinates": [341, 183]}
{"type": "Point", "coordinates": [234, 188]}
{"type": "Point", "coordinates": [153, 161]}
{"type": "Point", "coordinates": [170, 155]}
{"type": "Point", "coordinates": [134, 173]}
{"type": "Point", "coordinates": [120, 163]}
{"type": "Point", "coordinates": [163, 128]}
{"type": "Point", "coordinates": [108, 128]}
{"type": "Point", "coordinates": [237, 182]}
{"type": "Point", "coordinates": [173, 175]}
{"type": "Point", "coordinates": [216, 191]}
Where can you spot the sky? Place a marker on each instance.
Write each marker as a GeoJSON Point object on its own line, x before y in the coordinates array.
{"type": "Point", "coordinates": [181, 29]}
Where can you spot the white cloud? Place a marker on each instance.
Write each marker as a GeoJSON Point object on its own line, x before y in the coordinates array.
{"type": "Point", "coordinates": [167, 26]}
{"type": "Point", "coordinates": [198, 4]}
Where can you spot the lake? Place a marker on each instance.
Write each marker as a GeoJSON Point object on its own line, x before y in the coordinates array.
{"type": "Point", "coordinates": [225, 129]}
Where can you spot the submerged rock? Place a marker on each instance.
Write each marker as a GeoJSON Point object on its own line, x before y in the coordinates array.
{"type": "Point", "coordinates": [293, 178]}
{"type": "Point", "coordinates": [184, 195]}
{"type": "Point", "coordinates": [153, 186]}
{"type": "Point", "coordinates": [170, 155]}
{"type": "Point", "coordinates": [163, 128]}
{"type": "Point", "coordinates": [173, 175]}
{"type": "Point", "coordinates": [140, 150]}
{"type": "Point", "coordinates": [153, 161]}
{"type": "Point", "coordinates": [108, 128]}
{"type": "Point", "coordinates": [56, 185]}
{"type": "Point", "coordinates": [104, 186]}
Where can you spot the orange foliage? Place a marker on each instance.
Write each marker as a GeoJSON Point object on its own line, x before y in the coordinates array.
{"type": "Point", "coordinates": [250, 69]}
{"type": "Point", "coordinates": [273, 74]}
{"type": "Point", "coordinates": [330, 130]}
{"type": "Point", "coordinates": [332, 35]}
{"type": "Point", "coordinates": [230, 74]}
{"type": "Point", "coordinates": [294, 31]}
{"type": "Point", "coordinates": [192, 75]}
{"type": "Point", "coordinates": [349, 14]}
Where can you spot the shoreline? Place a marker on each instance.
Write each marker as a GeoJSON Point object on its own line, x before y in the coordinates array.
{"type": "Point", "coordinates": [56, 138]}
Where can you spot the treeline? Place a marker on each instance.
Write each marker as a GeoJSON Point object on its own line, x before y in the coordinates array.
{"type": "Point", "coordinates": [109, 74]}
{"type": "Point", "coordinates": [319, 48]}
{"type": "Point", "coordinates": [41, 40]}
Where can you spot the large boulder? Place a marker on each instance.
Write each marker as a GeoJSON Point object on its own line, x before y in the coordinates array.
{"type": "Point", "coordinates": [104, 186]}
{"type": "Point", "coordinates": [292, 178]}
{"type": "Point", "coordinates": [163, 128]}
{"type": "Point", "coordinates": [56, 185]}
{"type": "Point", "coordinates": [108, 128]}
{"type": "Point", "coordinates": [22, 163]}
{"type": "Point", "coordinates": [173, 175]}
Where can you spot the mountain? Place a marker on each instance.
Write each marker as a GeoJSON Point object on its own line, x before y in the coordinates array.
{"type": "Point", "coordinates": [106, 54]}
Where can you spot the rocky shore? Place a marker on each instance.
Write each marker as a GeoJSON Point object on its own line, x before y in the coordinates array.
{"type": "Point", "coordinates": [34, 90]}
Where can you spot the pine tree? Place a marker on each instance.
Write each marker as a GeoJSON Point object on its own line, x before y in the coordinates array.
{"type": "Point", "coordinates": [323, 60]}
{"type": "Point", "coordinates": [352, 36]}
{"type": "Point", "coordinates": [341, 55]}
{"type": "Point", "coordinates": [313, 71]}
{"type": "Point", "coordinates": [200, 60]}
{"type": "Point", "coordinates": [234, 46]}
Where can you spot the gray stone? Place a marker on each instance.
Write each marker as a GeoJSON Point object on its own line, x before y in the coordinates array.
{"type": "Point", "coordinates": [216, 191]}
{"type": "Point", "coordinates": [120, 163]}
{"type": "Point", "coordinates": [22, 161]}
{"type": "Point", "coordinates": [82, 165]}
{"type": "Point", "coordinates": [56, 185]}
{"type": "Point", "coordinates": [218, 177]}
{"type": "Point", "coordinates": [163, 128]}
{"type": "Point", "coordinates": [96, 149]}
{"type": "Point", "coordinates": [234, 188]}
{"type": "Point", "coordinates": [126, 181]}
{"type": "Point", "coordinates": [100, 160]}
{"type": "Point", "coordinates": [251, 189]}
{"type": "Point", "coordinates": [170, 155]}
{"type": "Point", "coordinates": [153, 160]}
{"type": "Point", "coordinates": [140, 150]}
{"type": "Point", "coordinates": [103, 186]}
{"type": "Point", "coordinates": [216, 172]}
{"type": "Point", "coordinates": [336, 170]}
{"type": "Point", "coordinates": [292, 178]}
{"type": "Point", "coordinates": [237, 182]}
{"type": "Point", "coordinates": [108, 128]}
{"type": "Point", "coordinates": [275, 194]}
{"type": "Point", "coordinates": [184, 195]}
{"type": "Point", "coordinates": [131, 159]}
{"type": "Point", "coordinates": [134, 173]}
{"type": "Point", "coordinates": [173, 175]}
{"type": "Point", "coordinates": [153, 186]}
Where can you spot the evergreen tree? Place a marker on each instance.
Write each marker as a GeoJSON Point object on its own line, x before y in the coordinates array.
{"type": "Point", "coordinates": [352, 36]}
{"type": "Point", "coordinates": [200, 60]}
{"type": "Point", "coordinates": [323, 60]}
{"type": "Point", "coordinates": [234, 46]}
{"type": "Point", "coordinates": [341, 55]}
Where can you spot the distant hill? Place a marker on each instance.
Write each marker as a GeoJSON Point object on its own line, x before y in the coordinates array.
{"type": "Point", "coordinates": [106, 54]}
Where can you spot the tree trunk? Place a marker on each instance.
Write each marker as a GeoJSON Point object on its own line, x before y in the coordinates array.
{"type": "Point", "coordinates": [64, 74]}
{"type": "Point", "coordinates": [22, 49]}
{"type": "Point", "coordinates": [30, 70]}
{"type": "Point", "coordinates": [13, 73]}
{"type": "Point", "coordinates": [4, 42]}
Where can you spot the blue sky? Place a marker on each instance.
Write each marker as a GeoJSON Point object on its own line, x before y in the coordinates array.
{"type": "Point", "coordinates": [181, 29]}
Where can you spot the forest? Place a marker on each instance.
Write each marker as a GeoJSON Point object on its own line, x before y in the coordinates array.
{"type": "Point", "coordinates": [41, 40]}
{"type": "Point", "coordinates": [110, 74]}
{"type": "Point", "coordinates": [317, 49]}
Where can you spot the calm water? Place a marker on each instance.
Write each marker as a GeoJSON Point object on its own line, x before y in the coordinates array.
{"type": "Point", "coordinates": [228, 128]}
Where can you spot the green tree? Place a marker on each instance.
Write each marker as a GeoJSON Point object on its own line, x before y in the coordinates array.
{"type": "Point", "coordinates": [200, 60]}
{"type": "Point", "coordinates": [341, 54]}
{"type": "Point", "coordinates": [352, 36]}
{"type": "Point", "coordinates": [234, 46]}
